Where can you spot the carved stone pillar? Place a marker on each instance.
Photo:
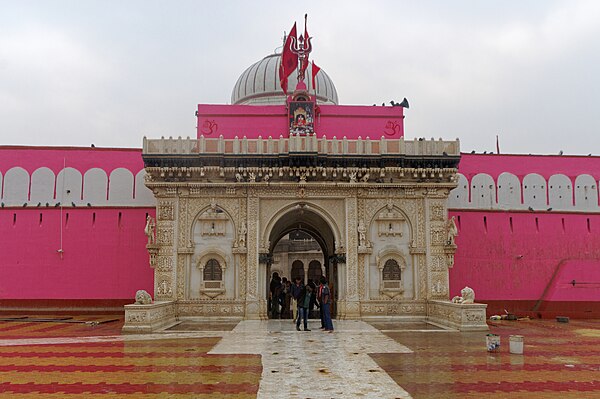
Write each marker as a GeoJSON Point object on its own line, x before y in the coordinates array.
{"type": "Point", "coordinates": [352, 305]}
{"type": "Point", "coordinates": [252, 300]}
{"type": "Point", "coordinates": [164, 273]}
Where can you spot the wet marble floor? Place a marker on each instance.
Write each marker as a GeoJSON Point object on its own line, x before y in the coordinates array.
{"type": "Point", "coordinates": [272, 360]}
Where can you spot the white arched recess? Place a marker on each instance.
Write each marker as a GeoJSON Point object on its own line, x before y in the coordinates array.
{"type": "Point", "coordinates": [509, 191]}
{"type": "Point", "coordinates": [459, 196]}
{"type": "Point", "coordinates": [120, 187]}
{"type": "Point", "coordinates": [42, 186]}
{"type": "Point", "coordinates": [16, 187]}
{"type": "Point", "coordinates": [534, 191]}
{"type": "Point", "coordinates": [586, 193]}
{"type": "Point", "coordinates": [68, 187]}
{"type": "Point", "coordinates": [394, 244]}
{"type": "Point", "coordinates": [142, 194]}
{"type": "Point", "coordinates": [95, 186]}
{"type": "Point", "coordinates": [216, 245]}
{"type": "Point", "coordinates": [560, 192]}
{"type": "Point", "coordinates": [483, 191]}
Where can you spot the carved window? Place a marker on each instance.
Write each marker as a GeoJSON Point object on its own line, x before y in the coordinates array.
{"type": "Point", "coordinates": [213, 271]}
{"type": "Point", "coordinates": [391, 270]}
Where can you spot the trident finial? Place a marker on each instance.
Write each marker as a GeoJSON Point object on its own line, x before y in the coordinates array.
{"type": "Point", "coordinates": [302, 47]}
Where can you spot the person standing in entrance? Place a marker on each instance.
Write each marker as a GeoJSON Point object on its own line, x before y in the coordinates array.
{"type": "Point", "coordinates": [296, 289]}
{"type": "Point", "coordinates": [303, 305]}
{"type": "Point", "coordinates": [274, 290]}
{"type": "Point", "coordinates": [320, 301]}
{"type": "Point", "coordinates": [326, 305]}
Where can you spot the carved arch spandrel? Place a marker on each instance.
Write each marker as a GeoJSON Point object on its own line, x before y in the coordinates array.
{"type": "Point", "coordinates": [406, 207]}
{"type": "Point", "coordinates": [198, 205]}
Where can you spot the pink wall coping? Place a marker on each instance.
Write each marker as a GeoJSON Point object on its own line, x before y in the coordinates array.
{"type": "Point", "coordinates": [81, 158]}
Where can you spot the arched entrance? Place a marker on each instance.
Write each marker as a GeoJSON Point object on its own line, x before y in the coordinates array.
{"type": "Point", "coordinates": [301, 242]}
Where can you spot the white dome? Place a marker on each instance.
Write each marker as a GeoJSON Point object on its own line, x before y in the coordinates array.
{"type": "Point", "coordinates": [259, 84]}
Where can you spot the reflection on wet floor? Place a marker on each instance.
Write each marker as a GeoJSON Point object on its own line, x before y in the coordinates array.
{"type": "Point", "coordinates": [559, 361]}
{"type": "Point", "coordinates": [405, 326]}
{"type": "Point", "coordinates": [203, 326]}
{"type": "Point", "coordinates": [225, 360]}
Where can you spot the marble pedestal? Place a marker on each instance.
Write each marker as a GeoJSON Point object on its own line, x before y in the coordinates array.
{"type": "Point", "coordinates": [149, 318]}
{"type": "Point", "coordinates": [460, 316]}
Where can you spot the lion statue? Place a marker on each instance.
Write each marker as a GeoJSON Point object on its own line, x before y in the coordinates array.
{"type": "Point", "coordinates": [142, 298]}
{"type": "Point", "coordinates": [467, 296]}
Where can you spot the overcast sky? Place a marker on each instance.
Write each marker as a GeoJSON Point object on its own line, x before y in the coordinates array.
{"type": "Point", "coordinates": [109, 72]}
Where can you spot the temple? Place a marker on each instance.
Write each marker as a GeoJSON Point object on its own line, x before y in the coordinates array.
{"type": "Point", "coordinates": [290, 181]}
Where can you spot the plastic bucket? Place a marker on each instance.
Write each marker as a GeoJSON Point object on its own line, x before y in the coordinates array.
{"type": "Point", "coordinates": [516, 344]}
{"type": "Point", "coordinates": [492, 341]}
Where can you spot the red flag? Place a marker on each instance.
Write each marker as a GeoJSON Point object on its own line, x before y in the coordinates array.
{"type": "Point", "coordinates": [315, 70]}
{"type": "Point", "coordinates": [283, 82]}
{"type": "Point", "coordinates": [289, 60]}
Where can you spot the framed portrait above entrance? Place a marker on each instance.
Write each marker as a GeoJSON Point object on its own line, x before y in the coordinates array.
{"type": "Point", "coordinates": [301, 117]}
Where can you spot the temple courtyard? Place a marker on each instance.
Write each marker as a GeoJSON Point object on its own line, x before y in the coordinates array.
{"type": "Point", "coordinates": [87, 357]}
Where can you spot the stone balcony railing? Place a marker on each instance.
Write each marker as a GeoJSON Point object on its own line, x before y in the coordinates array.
{"type": "Point", "coordinates": [300, 144]}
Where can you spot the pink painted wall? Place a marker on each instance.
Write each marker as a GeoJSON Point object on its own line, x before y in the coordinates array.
{"type": "Point", "coordinates": [104, 256]}
{"type": "Point", "coordinates": [271, 120]}
{"type": "Point", "coordinates": [519, 264]}
{"type": "Point", "coordinates": [82, 159]}
{"type": "Point", "coordinates": [522, 255]}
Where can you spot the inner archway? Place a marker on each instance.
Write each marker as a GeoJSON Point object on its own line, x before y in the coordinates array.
{"type": "Point", "coordinates": [301, 243]}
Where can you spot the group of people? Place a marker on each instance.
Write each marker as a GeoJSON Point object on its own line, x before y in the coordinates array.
{"type": "Point", "coordinates": [297, 300]}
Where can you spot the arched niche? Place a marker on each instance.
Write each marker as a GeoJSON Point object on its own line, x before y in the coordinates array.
{"type": "Point", "coordinates": [483, 191]}
{"type": "Point", "coordinates": [586, 193]}
{"type": "Point", "coordinates": [213, 236]}
{"type": "Point", "coordinates": [560, 192]}
{"type": "Point", "coordinates": [534, 191]}
{"type": "Point", "coordinates": [392, 266]}
{"type": "Point", "coordinates": [509, 191]}
{"type": "Point", "coordinates": [386, 246]}
{"type": "Point", "coordinates": [390, 224]}
{"type": "Point", "coordinates": [459, 196]}
{"type": "Point", "coordinates": [143, 195]}
{"type": "Point", "coordinates": [120, 187]}
{"type": "Point", "coordinates": [68, 187]}
{"type": "Point", "coordinates": [16, 187]}
{"type": "Point", "coordinates": [95, 187]}
{"type": "Point", "coordinates": [42, 186]}
{"type": "Point", "coordinates": [210, 287]}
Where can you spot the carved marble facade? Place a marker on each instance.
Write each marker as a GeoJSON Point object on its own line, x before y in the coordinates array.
{"type": "Point", "coordinates": [220, 215]}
